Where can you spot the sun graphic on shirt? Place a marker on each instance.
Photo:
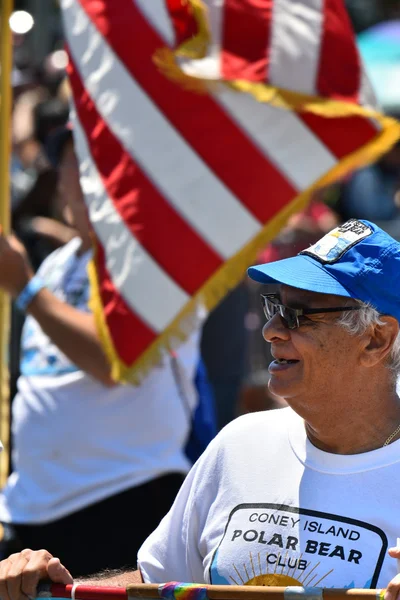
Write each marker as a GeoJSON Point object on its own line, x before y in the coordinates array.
{"type": "Point", "coordinates": [277, 570]}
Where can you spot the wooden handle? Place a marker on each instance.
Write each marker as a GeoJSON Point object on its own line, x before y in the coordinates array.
{"type": "Point", "coordinates": [214, 592]}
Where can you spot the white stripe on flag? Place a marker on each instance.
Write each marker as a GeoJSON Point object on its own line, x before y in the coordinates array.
{"type": "Point", "coordinates": [296, 30]}
{"type": "Point", "coordinates": [367, 93]}
{"type": "Point", "coordinates": [144, 285]}
{"type": "Point", "coordinates": [181, 175]}
{"type": "Point", "coordinates": [216, 20]}
{"type": "Point", "coordinates": [287, 142]}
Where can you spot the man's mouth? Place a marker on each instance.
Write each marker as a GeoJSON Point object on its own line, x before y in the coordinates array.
{"type": "Point", "coordinates": [285, 361]}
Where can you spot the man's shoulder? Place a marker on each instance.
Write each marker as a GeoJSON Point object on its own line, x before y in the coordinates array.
{"type": "Point", "coordinates": [252, 424]}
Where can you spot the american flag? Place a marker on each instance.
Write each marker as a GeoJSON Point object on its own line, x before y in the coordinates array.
{"type": "Point", "coordinates": [200, 126]}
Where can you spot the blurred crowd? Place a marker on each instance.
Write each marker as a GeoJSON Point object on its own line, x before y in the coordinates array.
{"type": "Point", "coordinates": [237, 368]}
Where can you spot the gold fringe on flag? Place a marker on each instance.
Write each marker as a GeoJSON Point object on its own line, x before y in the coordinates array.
{"type": "Point", "coordinates": [197, 46]}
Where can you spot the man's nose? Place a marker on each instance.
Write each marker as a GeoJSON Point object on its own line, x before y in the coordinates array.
{"type": "Point", "coordinates": [275, 329]}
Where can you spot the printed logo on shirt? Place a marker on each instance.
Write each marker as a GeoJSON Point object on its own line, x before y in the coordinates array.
{"type": "Point", "coordinates": [277, 545]}
{"type": "Point", "coordinates": [338, 241]}
{"type": "Point", "coordinates": [65, 275]}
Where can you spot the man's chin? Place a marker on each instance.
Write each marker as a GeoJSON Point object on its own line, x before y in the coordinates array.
{"type": "Point", "coordinates": [282, 389]}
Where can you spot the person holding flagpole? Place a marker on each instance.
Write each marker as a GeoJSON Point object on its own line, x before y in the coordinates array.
{"type": "Point", "coordinates": [90, 456]}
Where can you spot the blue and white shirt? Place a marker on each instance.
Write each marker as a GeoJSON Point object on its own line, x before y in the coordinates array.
{"type": "Point", "coordinates": [65, 275]}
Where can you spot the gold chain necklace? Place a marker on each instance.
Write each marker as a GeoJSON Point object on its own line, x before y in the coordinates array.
{"type": "Point", "coordinates": [392, 435]}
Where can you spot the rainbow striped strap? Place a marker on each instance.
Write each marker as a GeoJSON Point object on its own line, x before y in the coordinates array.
{"type": "Point", "coordinates": [182, 591]}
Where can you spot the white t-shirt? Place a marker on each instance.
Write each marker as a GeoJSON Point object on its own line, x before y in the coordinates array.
{"type": "Point", "coordinates": [263, 506]}
{"type": "Point", "coordinates": [76, 441]}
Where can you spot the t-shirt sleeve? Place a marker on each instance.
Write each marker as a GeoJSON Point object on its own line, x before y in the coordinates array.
{"type": "Point", "coordinates": [173, 551]}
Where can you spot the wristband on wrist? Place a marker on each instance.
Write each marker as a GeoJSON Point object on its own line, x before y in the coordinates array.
{"type": "Point", "coordinates": [29, 292]}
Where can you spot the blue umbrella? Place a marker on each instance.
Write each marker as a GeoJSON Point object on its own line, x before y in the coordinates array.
{"type": "Point", "coordinates": [380, 50]}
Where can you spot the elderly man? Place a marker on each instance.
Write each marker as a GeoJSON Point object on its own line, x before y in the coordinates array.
{"type": "Point", "coordinates": [306, 495]}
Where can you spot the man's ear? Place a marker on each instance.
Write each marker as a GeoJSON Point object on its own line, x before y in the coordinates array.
{"type": "Point", "coordinates": [378, 341]}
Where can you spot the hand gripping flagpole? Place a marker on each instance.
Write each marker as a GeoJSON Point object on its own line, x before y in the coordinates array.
{"type": "Point", "coordinates": [5, 147]}
{"type": "Point", "coordinates": [190, 591]}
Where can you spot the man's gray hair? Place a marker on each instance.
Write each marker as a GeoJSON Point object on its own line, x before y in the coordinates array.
{"type": "Point", "coordinates": [357, 321]}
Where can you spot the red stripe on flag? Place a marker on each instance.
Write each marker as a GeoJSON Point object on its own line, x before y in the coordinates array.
{"type": "Point", "coordinates": [120, 318]}
{"type": "Point", "coordinates": [183, 21]}
{"type": "Point", "coordinates": [172, 243]}
{"type": "Point", "coordinates": [342, 135]}
{"type": "Point", "coordinates": [245, 41]}
{"type": "Point", "coordinates": [339, 74]}
{"type": "Point", "coordinates": [230, 154]}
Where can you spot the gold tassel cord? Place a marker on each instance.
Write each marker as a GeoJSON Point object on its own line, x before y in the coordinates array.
{"type": "Point", "coordinates": [196, 47]}
{"type": "Point", "coordinates": [5, 148]}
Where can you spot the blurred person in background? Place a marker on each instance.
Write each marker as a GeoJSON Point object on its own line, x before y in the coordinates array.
{"type": "Point", "coordinates": [39, 107]}
{"type": "Point", "coordinates": [36, 215]}
{"type": "Point", "coordinates": [92, 459]}
{"type": "Point", "coordinates": [364, 13]}
{"type": "Point", "coordinates": [224, 350]}
{"type": "Point", "coordinates": [372, 193]}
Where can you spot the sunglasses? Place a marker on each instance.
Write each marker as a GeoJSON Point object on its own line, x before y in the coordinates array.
{"type": "Point", "coordinates": [291, 316]}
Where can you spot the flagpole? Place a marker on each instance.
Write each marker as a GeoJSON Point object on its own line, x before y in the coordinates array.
{"type": "Point", "coordinates": [5, 150]}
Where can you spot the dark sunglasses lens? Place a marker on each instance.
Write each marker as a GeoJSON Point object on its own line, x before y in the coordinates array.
{"type": "Point", "coordinates": [270, 308]}
{"type": "Point", "coordinates": [289, 317]}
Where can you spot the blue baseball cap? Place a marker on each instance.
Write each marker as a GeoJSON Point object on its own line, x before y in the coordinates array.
{"type": "Point", "coordinates": [356, 260]}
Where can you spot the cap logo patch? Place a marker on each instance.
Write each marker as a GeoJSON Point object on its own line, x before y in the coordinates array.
{"type": "Point", "coordinates": [334, 244]}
